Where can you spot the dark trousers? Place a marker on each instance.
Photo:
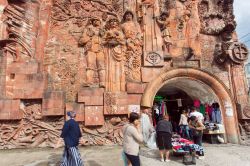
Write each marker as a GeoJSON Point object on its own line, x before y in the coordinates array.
{"type": "Point", "coordinates": [135, 160]}
{"type": "Point", "coordinates": [198, 139]}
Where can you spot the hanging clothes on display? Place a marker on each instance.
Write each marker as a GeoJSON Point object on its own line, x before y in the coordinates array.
{"type": "Point", "coordinates": [202, 109]}
{"type": "Point", "coordinates": [179, 102]}
{"type": "Point", "coordinates": [216, 115]}
{"type": "Point", "coordinates": [209, 110]}
{"type": "Point", "coordinates": [197, 103]}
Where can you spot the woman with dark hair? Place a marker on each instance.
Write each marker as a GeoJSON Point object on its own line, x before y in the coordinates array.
{"type": "Point", "coordinates": [132, 136]}
{"type": "Point", "coordinates": [164, 133]}
{"type": "Point", "coordinates": [197, 129]}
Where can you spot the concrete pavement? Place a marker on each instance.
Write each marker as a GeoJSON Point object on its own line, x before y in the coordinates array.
{"type": "Point", "coordinates": [215, 155]}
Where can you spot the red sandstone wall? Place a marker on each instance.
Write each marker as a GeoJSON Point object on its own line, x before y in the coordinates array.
{"type": "Point", "coordinates": [45, 68]}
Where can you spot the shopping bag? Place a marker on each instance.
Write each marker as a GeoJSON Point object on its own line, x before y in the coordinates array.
{"type": "Point", "coordinates": [189, 159]}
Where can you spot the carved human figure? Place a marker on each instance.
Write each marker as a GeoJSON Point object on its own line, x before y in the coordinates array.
{"type": "Point", "coordinates": [166, 36]}
{"type": "Point", "coordinates": [133, 35]}
{"type": "Point", "coordinates": [130, 5]}
{"type": "Point", "coordinates": [152, 33]}
{"type": "Point", "coordinates": [92, 40]}
{"type": "Point", "coordinates": [114, 42]}
{"type": "Point", "coordinates": [131, 31]}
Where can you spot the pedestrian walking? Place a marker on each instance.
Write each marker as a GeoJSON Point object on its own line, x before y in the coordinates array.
{"type": "Point", "coordinates": [71, 134]}
{"type": "Point", "coordinates": [132, 138]}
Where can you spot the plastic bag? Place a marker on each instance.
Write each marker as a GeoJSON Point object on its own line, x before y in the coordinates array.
{"type": "Point", "coordinates": [151, 143]}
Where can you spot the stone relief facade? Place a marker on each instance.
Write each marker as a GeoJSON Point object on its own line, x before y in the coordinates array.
{"type": "Point", "coordinates": [96, 57]}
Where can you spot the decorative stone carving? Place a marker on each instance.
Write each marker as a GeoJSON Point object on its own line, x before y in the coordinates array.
{"type": "Point", "coordinates": [154, 58]}
{"type": "Point", "coordinates": [21, 29]}
{"type": "Point", "coordinates": [246, 112]}
{"type": "Point", "coordinates": [114, 42]}
{"type": "Point", "coordinates": [234, 51]}
{"type": "Point", "coordinates": [90, 49]}
{"type": "Point", "coordinates": [31, 131]}
{"type": "Point", "coordinates": [244, 127]}
{"type": "Point", "coordinates": [92, 40]}
{"type": "Point", "coordinates": [215, 15]}
{"type": "Point", "coordinates": [164, 26]}
{"type": "Point", "coordinates": [238, 52]}
{"type": "Point", "coordinates": [132, 32]}
{"type": "Point", "coordinates": [115, 103]}
{"type": "Point", "coordinates": [153, 41]}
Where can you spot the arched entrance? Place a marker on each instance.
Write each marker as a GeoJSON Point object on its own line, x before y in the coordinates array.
{"type": "Point", "coordinates": [215, 85]}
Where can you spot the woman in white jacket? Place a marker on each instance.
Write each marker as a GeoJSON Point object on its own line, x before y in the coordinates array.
{"type": "Point", "coordinates": [132, 137]}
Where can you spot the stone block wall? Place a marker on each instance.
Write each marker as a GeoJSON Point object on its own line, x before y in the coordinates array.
{"type": "Point", "coordinates": [59, 56]}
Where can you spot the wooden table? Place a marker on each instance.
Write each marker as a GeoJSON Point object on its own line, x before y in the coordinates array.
{"type": "Point", "coordinates": [213, 135]}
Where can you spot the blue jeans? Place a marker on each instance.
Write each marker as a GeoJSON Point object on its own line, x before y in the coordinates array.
{"type": "Point", "coordinates": [185, 131]}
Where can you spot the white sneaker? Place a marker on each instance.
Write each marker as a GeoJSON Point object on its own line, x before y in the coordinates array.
{"type": "Point", "coordinates": [167, 160]}
{"type": "Point", "coordinates": [162, 160]}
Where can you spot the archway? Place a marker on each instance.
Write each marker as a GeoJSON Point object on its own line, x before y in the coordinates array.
{"type": "Point", "coordinates": [225, 100]}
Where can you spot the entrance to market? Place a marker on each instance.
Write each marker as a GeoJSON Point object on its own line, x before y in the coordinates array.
{"type": "Point", "coordinates": [181, 94]}
{"type": "Point", "coordinates": [190, 84]}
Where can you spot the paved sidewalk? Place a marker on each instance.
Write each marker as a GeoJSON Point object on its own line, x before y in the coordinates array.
{"type": "Point", "coordinates": [215, 155]}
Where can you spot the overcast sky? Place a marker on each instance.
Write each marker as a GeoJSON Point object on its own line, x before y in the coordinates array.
{"type": "Point", "coordinates": [242, 14]}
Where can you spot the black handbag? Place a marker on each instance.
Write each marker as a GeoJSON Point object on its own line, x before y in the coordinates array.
{"type": "Point", "coordinates": [189, 158]}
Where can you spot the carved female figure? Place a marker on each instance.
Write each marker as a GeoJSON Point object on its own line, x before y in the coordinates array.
{"type": "Point", "coordinates": [115, 55]}
{"type": "Point", "coordinates": [133, 35]}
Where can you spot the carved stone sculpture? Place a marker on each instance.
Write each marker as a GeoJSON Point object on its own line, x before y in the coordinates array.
{"type": "Point", "coordinates": [215, 15]}
{"type": "Point", "coordinates": [92, 40]}
{"type": "Point", "coordinates": [105, 58]}
{"type": "Point", "coordinates": [164, 26]}
{"type": "Point", "coordinates": [228, 49]}
{"type": "Point", "coordinates": [132, 33]}
{"type": "Point", "coordinates": [152, 34]}
{"type": "Point", "coordinates": [114, 42]}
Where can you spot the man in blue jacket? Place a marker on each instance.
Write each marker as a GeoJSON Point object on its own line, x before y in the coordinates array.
{"type": "Point", "coordinates": [71, 134]}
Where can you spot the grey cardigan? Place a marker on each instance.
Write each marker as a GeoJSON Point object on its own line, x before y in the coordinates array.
{"type": "Point", "coordinates": [131, 139]}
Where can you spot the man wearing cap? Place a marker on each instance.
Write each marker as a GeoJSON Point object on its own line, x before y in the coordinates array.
{"type": "Point", "coordinates": [71, 134]}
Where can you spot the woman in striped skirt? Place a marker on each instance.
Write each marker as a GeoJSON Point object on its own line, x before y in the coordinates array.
{"type": "Point", "coordinates": [71, 134]}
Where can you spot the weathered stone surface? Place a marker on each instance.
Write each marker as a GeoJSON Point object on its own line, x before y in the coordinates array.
{"type": "Point", "coordinates": [23, 68]}
{"type": "Point", "coordinates": [91, 96]}
{"type": "Point", "coordinates": [137, 88]}
{"type": "Point", "coordinates": [25, 86]}
{"type": "Point", "coordinates": [78, 108]}
{"type": "Point", "coordinates": [53, 103]}
{"type": "Point", "coordinates": [104, 58]}
{"type": "Point", "coordinates": [10, 110]}
{"type": "Point", "coordinates": [115, 103]}
{"type": "Point", "coordinates": [134, 99]}
{"type": "Point", "coordinates": [94, 116]}
{"type": "Point", "coordinates": [148, 74]}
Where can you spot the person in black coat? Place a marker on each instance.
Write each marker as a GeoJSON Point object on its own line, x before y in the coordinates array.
{"type": "Point", "coordinates": [71, 134]}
